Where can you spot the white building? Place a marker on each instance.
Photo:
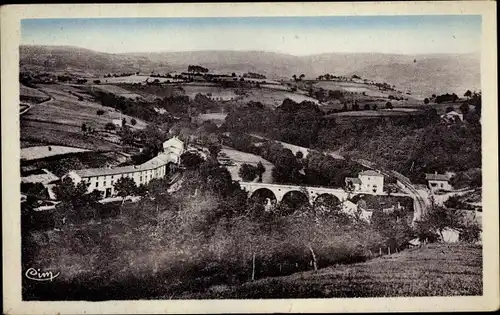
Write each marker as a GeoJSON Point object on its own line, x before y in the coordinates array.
{"type": "Point", "coordinates": [117, 122]}
{"type": "Point", "coordinates": [367, 181]}
{"type": "Point", "coordinates": [438, 182]}
{"type": "Point", "coordinates": [174, 147]}
{"type": "Point", "coordinates": [104, 179]}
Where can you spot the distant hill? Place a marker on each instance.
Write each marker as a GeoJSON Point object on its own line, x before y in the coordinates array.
{"type": "Point", "coordinates": [429, 74]}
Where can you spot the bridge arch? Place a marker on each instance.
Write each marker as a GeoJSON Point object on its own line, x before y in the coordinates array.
{"type": "Point", "coordinates": [294, 199]}
{"type": "Point", "coordinates": [326, 199]}
{"type": "Point", "coordinates": [261, 194]}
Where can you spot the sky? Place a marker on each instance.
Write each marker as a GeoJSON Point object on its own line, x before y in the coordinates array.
{"type": "Point", "coordinates": [425, 34]}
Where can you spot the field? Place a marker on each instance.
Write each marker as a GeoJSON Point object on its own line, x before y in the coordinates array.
{"type": "Point", "coordinates": [217, 118]}
{"type": "Point", "coordinates": [414, 272]}
{"type": "Point", "coordinates": [33, 153]}
{"type": "Point", "coordinates": [28, 94]}
{"type": "Point", "coordinates": [352, 87]}
{"type": "Point", "coordinates": [150, 92]}
{"type": "Point", "coordinates": [218, 92]}
{"type": "Point", "coordinates": [114, 89]}
{"type": "Point", "coordinates": [239, 158]}
{"type": "Point", "coordinates": [378, 113]}
{"type": "Point", "coordinates": [273, 97]}
{"type": "Point", "coordinates": [133, 79]}
{"type": "Point", "coordinates": [59, 121]}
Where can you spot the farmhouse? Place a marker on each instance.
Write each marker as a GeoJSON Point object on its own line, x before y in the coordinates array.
{"type": "Point", "coordinates": [104, 179]}
{"type": "Point", "coordinates": [452, 117]}
{"type": "Point", "coordinates": [438, 182]}
{"type": "Point", "coordinates": [117, 122]}
{"type": "Point", "coordinates": [367, 181]}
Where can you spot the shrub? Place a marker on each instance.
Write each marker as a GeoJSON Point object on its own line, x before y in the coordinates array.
{"type": "Point", "coordinates": [100, 112]}
{"type": "Point", "coordinates": [247, 172]}
{"type": "Point", "coordinates": [191, 159]}
{"type": "Point", "coordinates": [133, 121]}
{"type": "Point", "coordinates": [110, 126]}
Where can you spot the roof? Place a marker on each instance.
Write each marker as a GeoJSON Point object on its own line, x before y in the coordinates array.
{"type": "Point", "coordinates": [370, 173]}
{"type": "Point", "coordinates": [89, 172]}
{"type": "Point", "coordinates": [157, 161]}
{"type": "Point", "coordinates": [441, 177]}
{"type": "Point", "coordinates": [173, 142]}
{"type": "Point", "coordinates": [353, 180]}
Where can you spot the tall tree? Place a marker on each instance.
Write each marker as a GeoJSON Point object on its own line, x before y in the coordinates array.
{"type": "Point", "coordinates": [125, 186]}
{"type": "Point", "coordinates": [247, 172]}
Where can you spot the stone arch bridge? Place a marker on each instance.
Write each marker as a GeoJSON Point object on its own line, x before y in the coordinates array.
{"type": "Point", "coordinates": [280, 191]}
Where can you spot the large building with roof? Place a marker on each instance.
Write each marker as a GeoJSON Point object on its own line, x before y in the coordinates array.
{"type": "Point", "coordinates": [367, 181]}
{"type": "Point", "coordinates": [104, 179]}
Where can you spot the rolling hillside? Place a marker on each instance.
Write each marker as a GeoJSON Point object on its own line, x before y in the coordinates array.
{"type": "Point", "coordinates": [427, 75]}
{"type": "Point", "coordinates": [434, 270]}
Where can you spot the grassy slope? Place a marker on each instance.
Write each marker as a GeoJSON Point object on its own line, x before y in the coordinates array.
{"type": "Point", "coordinates": [435, 270]}
{"type": "Point", "coordinates": [59, 121]}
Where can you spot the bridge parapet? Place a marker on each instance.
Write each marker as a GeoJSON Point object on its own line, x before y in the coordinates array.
{"type": "Point", "coordinates": [280, 190]}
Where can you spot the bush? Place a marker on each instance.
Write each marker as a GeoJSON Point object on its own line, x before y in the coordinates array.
{"type": "Point", "coordinates": [133, 121]}
{"type": "Point", "coordinates": [191, 159]}
{"type": "Point", "coordinates": [247, 172]}
{"type": "Point", "coordinates": [100, 112]}
{"type": "Point", "coordinates": [110, 126]}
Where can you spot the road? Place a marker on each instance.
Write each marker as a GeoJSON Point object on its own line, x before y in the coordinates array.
{"type": "Point", "coordinates": [50, 98]}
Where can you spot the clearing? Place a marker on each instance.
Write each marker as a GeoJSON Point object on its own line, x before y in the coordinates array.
{"type": "Point", "coordinates": [59, 121]}
{"type": "Point", "coordinates": [239, 158]}
{"type": "Point", "coordinates": [274, 97]}
{"type": "Point", "coordinates": [31, 95]}
{"type": "Point", "coordinates": [432, 270]}
{"type": "Point", "coordinates": [39, 152]}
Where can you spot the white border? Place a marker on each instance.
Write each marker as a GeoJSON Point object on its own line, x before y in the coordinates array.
{"type": "Point", "coordinates": [10, 28]}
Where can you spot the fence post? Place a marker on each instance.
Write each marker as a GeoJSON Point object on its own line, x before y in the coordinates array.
{"type": "Point", "coordinates": [253, 266]}
{"type": "Point", "coordinates": [380, 251]}
{"type": "Point", "coordinates": [389, 250]}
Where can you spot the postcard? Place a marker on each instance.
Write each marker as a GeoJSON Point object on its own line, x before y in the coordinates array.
{"type": "Point", "coordinates": [253, 157]}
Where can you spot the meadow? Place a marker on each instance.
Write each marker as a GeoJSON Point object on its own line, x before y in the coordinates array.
{"type": "Point", "coordinates": [414, 272]}
{"type": "Point", "coordinates": [239, 158]}
{"type": "Point", "coordinates": [28, 94]}
{"type": "Point", "coordinates": [59, 120]}
{"type": "Point", "coordinates": [274, 98]}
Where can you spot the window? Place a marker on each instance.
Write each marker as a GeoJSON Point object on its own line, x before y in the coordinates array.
{"type": "Point", "coordinates": [104, 184]}
{"type": "Point", "coordinates": [96, 184]}
{"type": "Point", "coordinates": [441, 185]}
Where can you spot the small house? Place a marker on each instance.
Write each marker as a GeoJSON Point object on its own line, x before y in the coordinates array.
{"type": "Point", "coordinates": [117, 122]}
{"type": "Point", "coordinates": [367, 181]}
{"type": "Point", "coordinates": [437, 182]}
{"type": "Point", "coordinates": [372, 181]}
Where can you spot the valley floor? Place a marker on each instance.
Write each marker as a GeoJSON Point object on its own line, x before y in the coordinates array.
{"type": "Point", "coordinates": [433, 270]}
